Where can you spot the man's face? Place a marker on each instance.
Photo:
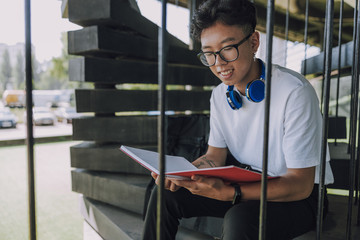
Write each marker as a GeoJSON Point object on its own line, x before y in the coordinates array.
{"type": "Point", "coordinates": [240, 71]}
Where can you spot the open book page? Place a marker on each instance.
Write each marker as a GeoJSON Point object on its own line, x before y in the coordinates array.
{"type": "Point", "coordinates": [150, 160]}
{"type": "Point", "coordinates": [179, 167]}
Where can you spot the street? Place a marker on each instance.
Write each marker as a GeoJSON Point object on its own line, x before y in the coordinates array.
{"type": "Point", "coordinates": [57, 207]}
{"type": "Point", "coordinates": [59, 129]}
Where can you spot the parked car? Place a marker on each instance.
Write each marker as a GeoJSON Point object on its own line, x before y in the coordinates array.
{"type": "Point", "coordinates": [42, 116]}
{"type": "Point", "coordinates": [66, 114]}
{"type": "Point", "coordinates": [7, 118]}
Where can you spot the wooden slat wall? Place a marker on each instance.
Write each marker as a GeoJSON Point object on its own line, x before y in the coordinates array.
{"type": "Point", "coordinates": [117, 71]}
{"type": "Point", "coordinates": [126, 130]}
{"type": "Point", "coordinates": [115, 49]}
{"type": "Point", "coordinates": [117, 45]}
{"type": "Point", "coordinates": [100, 41]}
{"type": "Point", "coordinates": [109, 101]}
{"type": "Point", "coordinates": [117, 14]}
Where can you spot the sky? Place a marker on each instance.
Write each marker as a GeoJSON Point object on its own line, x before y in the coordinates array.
{"type": "Point", "coordinates": [46, 29]}
{"type": "Point", "coordinates": [47, 23]}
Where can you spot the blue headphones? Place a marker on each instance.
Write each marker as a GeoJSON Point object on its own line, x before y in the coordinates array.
{"type": "Point", "coordinates": [254, 92]}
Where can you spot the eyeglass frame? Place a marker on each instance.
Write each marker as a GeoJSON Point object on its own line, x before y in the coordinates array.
{"type": "Point", "coordinates": [236, 46]}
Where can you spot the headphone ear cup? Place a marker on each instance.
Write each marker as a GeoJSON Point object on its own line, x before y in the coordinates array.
{"type": "Point", "coordinates": [255, 91]}
{"type": "Point", "coordinates": [234, 100]}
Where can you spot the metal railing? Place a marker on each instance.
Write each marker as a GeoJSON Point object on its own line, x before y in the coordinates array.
{"type": "Point", "coordinates": [326, 96]}
{"type": "Point", "coordinates": [161, 126]}
{"type": "Point", "coordinates": [269, 43]}
{"type": "Point", "coordinates": [161, 120]}
{"type": "Point", "coordinates": [29, 126]}
{"type": "Point", "coordinates": [328, 36]}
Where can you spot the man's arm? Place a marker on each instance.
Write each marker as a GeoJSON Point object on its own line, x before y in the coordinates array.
{"type": "Point", "coordinates": [214, 157]}
{"type": "Point", "coordinates": [296, 184]}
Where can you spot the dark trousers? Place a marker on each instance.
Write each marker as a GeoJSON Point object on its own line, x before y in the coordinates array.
{"type": "Point", "coordinates": [285, 220]}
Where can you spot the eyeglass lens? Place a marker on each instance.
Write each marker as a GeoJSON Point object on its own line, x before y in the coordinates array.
{"type": "Point", "coordinates": [227, 54]}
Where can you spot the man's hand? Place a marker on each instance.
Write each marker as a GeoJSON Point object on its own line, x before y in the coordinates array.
{"type": "Point", "coordinates": [169, 185]}
{"type": "Point", "coordinates": [203, 186]}
{"type": "Point", "coordinates": [214, 188]}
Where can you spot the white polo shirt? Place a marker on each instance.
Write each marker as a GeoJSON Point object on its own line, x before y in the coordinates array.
{"type": "Point", "coordinates": [295, 127]}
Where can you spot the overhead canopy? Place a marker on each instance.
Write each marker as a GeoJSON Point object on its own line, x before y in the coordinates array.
{"type": "Point", "coordinates": [297, 8]}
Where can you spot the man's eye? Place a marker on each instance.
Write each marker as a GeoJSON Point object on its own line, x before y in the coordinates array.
{"type": "Point", "coordinates": [227, 48]}
{"type": "Point", "coordinates": [208, 54]}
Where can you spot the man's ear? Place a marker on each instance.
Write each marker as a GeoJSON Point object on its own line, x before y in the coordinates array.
{"type": "Point", "coordinates": [255, 41]}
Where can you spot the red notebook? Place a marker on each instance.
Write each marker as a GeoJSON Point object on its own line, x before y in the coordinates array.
{"type": "Point", "coordinates": [180, 168]}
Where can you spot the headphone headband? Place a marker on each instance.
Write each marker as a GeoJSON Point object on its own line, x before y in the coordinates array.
{"type": "Point", "coordinates": [262, 75]}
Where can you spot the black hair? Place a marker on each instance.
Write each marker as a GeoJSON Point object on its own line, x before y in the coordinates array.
{"type": "Point", "coordinates": [229, 12]}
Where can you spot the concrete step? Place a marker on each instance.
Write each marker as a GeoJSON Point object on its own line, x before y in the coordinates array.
{"type": "Point", "coordinates": [89, 233]}
{"type": "Point", "coordinates": [128, 192]}
{"type": "Point", "coordinates": [113, 223]}
{"type": "Point", "coordinates": [334, 226]}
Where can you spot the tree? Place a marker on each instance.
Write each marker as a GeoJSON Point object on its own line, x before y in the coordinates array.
{"type": "Point", "coordinates": [19, 71]}
{"type": "Point", "coordinates": [56, 76]}
{"type": "Point", "coordinates": [5, 70]}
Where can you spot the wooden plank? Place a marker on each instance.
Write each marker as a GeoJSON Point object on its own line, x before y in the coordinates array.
{"type": "Point", "coordinates": [91, 156]}
{"type": "Point", "coordinates": [99, 70]}
{"type": "Point", "coordinates": [136, 130]}
{"type": "Point", "coordinates": [122, 130]}
{"type": "Point", "coordinates": [123, 190]}
{"type": "Point", "coordinates": [112, 100]}
{"type": "Point", "coordinates": [103, 41]}
{"type": "Point", "coordinates": [316, 64]}
{"type": "Point", "coordinates": [120, 14]}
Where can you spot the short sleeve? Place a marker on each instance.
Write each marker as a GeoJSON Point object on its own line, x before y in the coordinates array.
{"type": "Point", "coordinates": [302, 128]}
{"type": "Point", "coordinates": [216, 138]}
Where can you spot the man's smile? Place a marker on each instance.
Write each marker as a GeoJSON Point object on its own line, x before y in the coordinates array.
{"type": "Point", "coordinates": [226, 73]}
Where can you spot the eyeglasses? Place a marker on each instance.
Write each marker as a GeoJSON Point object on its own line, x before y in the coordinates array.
{"type": "Point", "coordinates": [228, 53]}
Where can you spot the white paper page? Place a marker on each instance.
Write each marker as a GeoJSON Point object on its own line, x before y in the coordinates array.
{"type": "Point", "coordinates": [151, 160]}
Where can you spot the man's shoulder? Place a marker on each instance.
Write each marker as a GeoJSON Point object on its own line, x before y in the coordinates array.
{"type": "Point", "coordinates": [221, 88]}
{"type": "Point", "coordinates": [288, 78]}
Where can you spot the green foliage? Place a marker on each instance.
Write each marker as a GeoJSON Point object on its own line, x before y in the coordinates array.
{"type": "Point", "coordinates": [56, 76]}
{"type": "Point", "coordinates": [51, 75]}
{"type": "Point", "coordinates": [5, 70]}
{"type": "Point", "coordinates": [19, 71]}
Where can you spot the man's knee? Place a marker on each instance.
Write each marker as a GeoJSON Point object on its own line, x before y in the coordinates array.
{"type": "Point", "coordinates": [242, 221]}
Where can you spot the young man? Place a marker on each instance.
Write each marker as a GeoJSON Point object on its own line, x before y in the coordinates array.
{"type": "Point", "coordinates": [226, 29]}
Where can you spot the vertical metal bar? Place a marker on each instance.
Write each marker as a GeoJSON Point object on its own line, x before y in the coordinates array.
{"type": "Point", "coordinates": [339, 61]}
{"type": "Point", "coordinates": [287, 30]}
{"type": "Point", "coordinates": [355, 79]}
{"type": "Point", "coordinates": [29, 117]}
{"type": "Point", "coordinates": [192, 7]}
{"type": "Point", "coordinates": [352, 131]}
{"type": "Point", "coordinates": [269, 43]}
{"type": "Point", "coordinates": [162, 51]}
{"type": "Point", "coordinates": [327, 78]}
{"type": "Point", "coordinates": [306, 33]}
{"type": "Point", "coordinates": [358, 150]}
{"type": "Point", "coordinates": [323, 77]}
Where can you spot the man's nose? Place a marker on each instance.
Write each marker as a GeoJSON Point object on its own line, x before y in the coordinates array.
{"type": "Point", "coordinates": [219, 60]}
